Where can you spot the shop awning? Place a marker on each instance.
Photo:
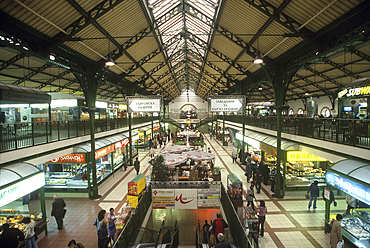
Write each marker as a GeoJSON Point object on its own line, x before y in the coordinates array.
{"type": "Point", "coordinates": [355, 169]}
{"type": "Point", "coordinates": [234, 179]}
{"type": "Point", "coordinates": [99, 143]}
{"type": "Point", "coordinates": [146, 128]}
{"type": "Point", "coordinates": [10, 93]}
{"type": "Point", "coordinates": [15, 172]}
{"type": "Point", "coordinates": [272, 141]}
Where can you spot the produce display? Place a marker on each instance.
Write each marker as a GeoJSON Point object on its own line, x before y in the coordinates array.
{"type": "Point", "coordinates": [363, 214]}
{"type": "Point", "coordinates": [15, 221]}
{"type": "Point", "coordinates": [356, 227]}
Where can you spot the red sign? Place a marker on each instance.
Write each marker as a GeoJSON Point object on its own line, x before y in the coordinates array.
{"type": "Point", "coordinates": [105, 151]}
{"type": "Point", "coordinates": [155, 128]}
{"type": "Point", "coordinates": [122, 143]}
{"type": "Point", "coordinates": [70, 158]}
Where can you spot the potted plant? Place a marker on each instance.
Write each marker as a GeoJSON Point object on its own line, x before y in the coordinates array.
{"type": "Point", "coordinates": [160, 171]}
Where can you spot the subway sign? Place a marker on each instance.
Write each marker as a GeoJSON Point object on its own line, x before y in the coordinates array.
{"type": "Point", "coordinates": [357, 91]}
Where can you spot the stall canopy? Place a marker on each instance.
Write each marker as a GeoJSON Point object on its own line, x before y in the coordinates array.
{"type": "Point", "coordinates": [173, 159]}
{"type": "Point", "coordinates": [358, 82]}
{"type": "Point", "coordinates": [15, 172]}
{"type": "Point", "coordinates": [272, 141]}
{"type": "Point", "coordinates": [100, 143]}
{"type": "Point", "coordinates": [355, 169]}
{"type": "Point", "coordinates": [175, 149]}
{"type": "Point", "coordinates": [199, 155]}
{"type": "Point", "coordinates": [10, 93]}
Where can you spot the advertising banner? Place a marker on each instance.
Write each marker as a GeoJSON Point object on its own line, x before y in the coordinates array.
{"type": "Point", "coordinates": [209, 198]}
{"type": "Point", "coordinates": [70, 158]}
{"type": "Point", "coordinates": [163, 198]}
{"type": "Point", "coordinates": [186, 199]}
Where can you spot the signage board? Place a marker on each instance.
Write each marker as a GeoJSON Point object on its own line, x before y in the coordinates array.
{"type": "Point", "coordinates": [303, 156]}
{"type": "Point", "coordinates": [19, 97]}
{"type": "Point", "coordinates": [226, 105]}
{"type": "Point", "coordinates": [348, 186]}
{"type": "Point", "coordinates": [186, 198]}
{"type": "Point", "coordinates": [141, 104]}
{"type": "Point", "coordinates": [70, 158]}
{"type": "Point", "coordinates": [122, 143]}
{"type": "Point", "coordinates": [327, 194]}
{"type": "Point", "coordinates": [105, 151]}
{"type": "Point", "coordinates": [163, 198]}
{"type": "Point", "coordinates": [268, 149]}
{"type": "Point", "coordinates": [133, 200]}
{"type": "Point", "coordinates": [209, 198]}
{"type": "Point", "coordinates": [22, 188]}
{"type": "Point", "coordinates": [356, 91]}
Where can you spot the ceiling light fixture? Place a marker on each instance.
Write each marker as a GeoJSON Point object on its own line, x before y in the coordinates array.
{"type": "Point", "coordinates": [260, 88]}
{"type": "Point", "coordinates": [109, 61]}
{"type": "Point", "coordinates": [258, 59]}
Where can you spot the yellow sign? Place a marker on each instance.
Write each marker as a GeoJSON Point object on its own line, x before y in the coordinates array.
{"type": "Point", "coordinates": [122, 106]}
{"type": "Point", "coordinates": [133, 200]}
{"type": "Point", "coordinates": [303, 156]}
{"type": "Point", "coordinates": [358, 91]}
{"type": "Point", "coordinates": [268, 149]}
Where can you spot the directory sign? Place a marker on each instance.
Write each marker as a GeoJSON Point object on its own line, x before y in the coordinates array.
{"type": "Point", "coordinates": [144, 104]}
{"type": "Point", "coordinates": [227, 104]}
{"type": "Point", "coordinates": [348, 186]}
{"type": "Point", "coordinates": [209, 198]}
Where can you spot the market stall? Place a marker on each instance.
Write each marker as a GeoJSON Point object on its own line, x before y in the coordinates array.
{"type": "Point", "coordinates": [235, 190]}
{"type": "Point", "coordinates": [198, 155]}
{"type": "Point", "coordinates": [135, 189]}
{"type": "Point", "coordinates": [22, 195]}
{"type": "Point", "coordinates": [351, 177]}
{"type": "Point", "coordinates": [175, 149]}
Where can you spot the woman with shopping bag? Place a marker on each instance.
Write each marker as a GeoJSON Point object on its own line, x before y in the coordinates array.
{"type": "Point", "coordinates": [336, 239]}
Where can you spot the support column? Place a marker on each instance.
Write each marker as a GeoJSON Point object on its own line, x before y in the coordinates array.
{"type": "Point", "coordinates": [130, 136]}
{"type": "Point", "coordinates": [242, 159]}
{"type": "Point", "coordinates": [43, 207]}
{"type": "Point", "coordinates": [223, 129]}
{"type": "Point", "coordinates": [152, 126]}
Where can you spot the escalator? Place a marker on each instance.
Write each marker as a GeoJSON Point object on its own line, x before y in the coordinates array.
{"type": "Point", "coordinates": [203, 237]}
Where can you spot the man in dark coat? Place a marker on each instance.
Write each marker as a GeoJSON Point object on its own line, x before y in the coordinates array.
{"type": "Point", "coordinates": [265, 172]}
{"type": "Point", "coordinates": [58, 211]}
{"type": "Point", "coordinates": [137, 166]}
{"type": "Point", "coordinates": [223, 243]}
{"type": "Point", "coordinates": [10, 237]}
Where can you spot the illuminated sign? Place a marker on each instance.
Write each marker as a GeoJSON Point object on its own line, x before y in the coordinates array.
{"type": "Point", "coordinates": [163, 198]}
{"type": "Point", "coordinates": [209, 198]}
{"type": "Point", "coordinates": [144, 105]}
{"type": "Point", "coordinates": [358, 91]}
{"type": "Point", "coordinates": [226, 105]}
{"type": "Point", "coordinates": [186, 198]}
{"type": "Point", "coordinates": [268, 149]}
{"type": "Point", "coordinates": [122, 106]}
{"type": "Point", "coordinates": [155, 128]}
{"type": "Point", "coordinates": [105, 151]}
{"type": "Point", "coordinates": [122, 143]}
{"type": "Point", "coordinates": [248, 140]}
{"type": "Point", "coordinates": [348, 186]}
{"type": "Point", "coordinates": [70, 158]}
{"type": "Point", "coordinates": [303, 156]}
{"type": "Point", "coordinates": [26, 186]}
{"type": "Point", "coordinates": [111, 105]}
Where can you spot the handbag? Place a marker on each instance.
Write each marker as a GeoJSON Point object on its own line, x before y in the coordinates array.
{"type": "Point", "coordinates": [307, 196]}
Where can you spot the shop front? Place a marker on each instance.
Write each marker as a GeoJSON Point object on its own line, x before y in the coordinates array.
{"type": "Point", "coordinates": [350, 178]}
{"type": "Point", "coordinates": [22, 195]}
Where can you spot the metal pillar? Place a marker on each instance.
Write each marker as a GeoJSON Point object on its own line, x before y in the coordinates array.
{"type": "Point", "coordinates": [223, 129]}
{"type": "Point", "coordinates": [43, 207]}
{"type": "Point", "coordinates": [152, 126]}
{"type": "Point", "coordinates": [130, 136]}
{"type": "Point", "coordinates": [242, 159]}
{"type": "Point", "coordinates": [94, 189]}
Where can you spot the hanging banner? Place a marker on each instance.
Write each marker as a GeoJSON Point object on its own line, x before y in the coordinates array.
{"type": "Point", "coordinates": [144, 104]}
{"type": "Point", "coordinates": [186, 198]}
{"type": "Point", "coordinates": [231, 103]}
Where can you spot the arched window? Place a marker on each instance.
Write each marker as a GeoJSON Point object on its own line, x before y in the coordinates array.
{"type": "Point", "coordinates": [291, 112]}
{"type": "Point", "coordinates": [300, 111]}
{"type": "Point", "coordinates": [326, 112]}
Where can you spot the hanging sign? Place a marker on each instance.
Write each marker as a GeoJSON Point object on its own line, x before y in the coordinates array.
{"type": "Point", "coordinates": [348, 186]}
{"type": "Point", "coordinates": [105, 151]}
{"type": "Point", "coordinates": [357, 91]}
{"type": "Point", "coordinates": [209, 198]}
{"type": "Point", "coordinates": [230, 103]}
{"type": "Point", "coordinates": [186, 198]}
{"type": "Point", "coordinates": [268, 149]}
{"type": "Point", "coordinates": [70, 158]}
{"type": "Point", "coordinates": [163, 198]}
{"type": "Point", "coordinates": [303, 157]}
{"type": "Point", "coordinates": [137, 104]}
{"type": "Point", "coordinates": [122, 143]}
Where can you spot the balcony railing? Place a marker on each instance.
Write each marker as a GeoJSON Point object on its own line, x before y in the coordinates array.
{"type": "Point", "coordinates": [20, 135]}
{"type": "Point", "coordinates": [355, 132]}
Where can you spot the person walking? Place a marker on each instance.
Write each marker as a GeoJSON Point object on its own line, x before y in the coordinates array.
{"type": "Point", "coordinates": [74, 244]}
{"type": "Point", "coordinates": [111, 224]}
{"type": "Point", "coordinates": [273, 178]}
{"type": "Point", "coordinates": [152, 153]}
{"type": "Point", "coordinates": [265, 172]}
{"type": "Point", "coordinates": [10, 237]}
{"type": "Point", "coordinates": [234, 155]}
{"type": "Point", "coordinates": [218, 226]}
{"type": "Point", "coordinates": [124, 161]}
{"type": "Point", "coordinates": [29, 233]}
{"type": "Point", "coordinates": [336, 231]}
{"type": "Point", "coordinates": [258, 179]}
{"type": "Point", "coordinates": [137, 165]}
{"type": "Point", "coordinates": [250, 196]}
{"type": "Point", "coordinates": [222, 242]}
{"type": "Point", "coordinates": [248, 169]}
{"type": "Point", "coordinates": [262, 211]}
{"type": "Point", "coordinates": [98, 220]}
{"type": "Point", "coordinates": [150, 144]}
{"type": "Point", "coordinates": [103, 236]}
{"type": "Point", "coordinates": [314, 192]}
{"type": "Point", "coordinates": [58, 211]}
{"type": "Point", "coordinates": [210, 135]}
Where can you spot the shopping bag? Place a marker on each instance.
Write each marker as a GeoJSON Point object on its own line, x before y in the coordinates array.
{"type": "Point", "coordinates": [340, 244]}
{"type": "Point", "coordinates": [307, 196]}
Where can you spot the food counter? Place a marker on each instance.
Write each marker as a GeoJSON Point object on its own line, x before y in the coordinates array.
{"type": "Point", "coordinates": [15, 219]}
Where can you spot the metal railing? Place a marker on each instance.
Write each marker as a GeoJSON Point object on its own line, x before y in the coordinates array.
{"type": "Point", "coordinates": [354, 132]}
{"type": "Point", "coordinates": [19, 135]}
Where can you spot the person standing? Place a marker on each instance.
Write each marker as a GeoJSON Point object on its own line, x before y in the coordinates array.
{"type": "Point", "coordinates": [250, 196]}
{"type": "Point", "coordinates": [336, 231]}
{"type": "Point", "coordinates": [234, 155]}
{"type": "Point", "coordinates": [265, 172]}
{"type": "Point", "coordinates": [248, 169]}
{"type": "Point", "coordinates": [222, 242]}
{"type": "Point", "coordinates": [218, 226]}
{"type": "Point", "coordinates": [258, 180]}
{"type": "Point", "coordinates": [103, 236]}
{"type": "Point", "coordinates": [314, 192]}
{"type": "Point", "coordinates": [124, 161]}
{"type": "Point", "coordinates": [151, 153]}
{"type": "Point", "coordinates": [262, 211]}
{"type": "Point", "coordinates": [210, 135]}
{"type": "Point", "coordinates": [150, 144]}
{"type": "Point", "coordinates": [74, 244]}
{"type": "Point", "coordinates": [137, 166]}
{"type": "Point", "coordinates": [29, 233]}
{"type": "Point", "coordinates": [272, 178]}
{"type": "Point", "coordinates": [98, 220]}
{"type": "Point", "coordinates": [10, 237]}
{"type": "Point", "coordinates": [111, 223]}
{"type": "Point", "coordinates": [58, 211]}
{"type": "Point", "coordinates": [351, 203]}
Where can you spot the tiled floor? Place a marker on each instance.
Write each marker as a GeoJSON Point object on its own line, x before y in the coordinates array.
{"type": "Point", "coordinates": [289, 223]}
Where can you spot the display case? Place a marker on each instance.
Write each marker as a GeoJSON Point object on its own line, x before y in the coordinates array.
{"type": "Point", "coordinates": [15, 219]}
{"type": "Point", "coordinates": [58, 178]}
{"type": "Point", "coordinates": [357, 226]}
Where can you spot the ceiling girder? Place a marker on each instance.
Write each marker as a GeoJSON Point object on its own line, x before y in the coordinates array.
{"type": "Point", "coordinates": [31, 74]}
{"type": "Point", "coordinates": [343, 69]}
{"type": "Point", "coordinates": [361, 54]}
{"type": "Point", "coordinates": [52, 79]}
{"type": "Point", "coordinates": [11, 61]}
{"type": "Point", "coordinates": [324, 76]}
{"type": "Point", "coordinates": [66, 85]}
{"type": "Point", "coordinates": [309, 82]}
{"type": "Point", "coordinates": [143, 61]}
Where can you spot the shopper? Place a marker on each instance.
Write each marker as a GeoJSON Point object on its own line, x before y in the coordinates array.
{"type": "Point", "coordinates": [234, 155]}
{"type": "Point", "coordinates": [265, 172]}
{"type": "Point", "coordinates": [250, 196]}
{"type": "Point", "coordinates": [151, 153]}
{"type": "Point", "coordinates": [111, 223]}
{"type": "Point", "coordinates": [262, 211]}
{"type": "Point", "coordinates": [248, 169]}
{"type": "Point", "coordinates": [137, 165]}
{"type": "Point", "coordinates": [351, 203]}
{"type": "Point", "coordinates": [58, 211]}
{"type": "Point", "coordinates": [74, 244]}
{"type": "Point", "coordinates": [10, 237]}
{"type": "Point", "coordinates": [314, 192]}
{"type": "Point", "coordinates": [272, 178]}
{"type": "Point", "coordinates": [97, 222]}
{"type": "Point", "coordinates": [103, 236]}
{"type": "Point", "coordinates": [336, 231]}
{"type": "Point", "coordinates": [206, 233]}
{"type": "Point", "coordinates": [258, 179]}
{"type": "Point", "coordinates": [218, 226]}
{"type": "Point", "coordinates": [124, 161]}
{"type": "Point", "coordinates": [222, 242]}
{"type": "Point", "coordinates": [29, 233]}
{"type": "Point", "coordinates": [150, 144]}
{"type": "Point", "coordinates": [210, 135]}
